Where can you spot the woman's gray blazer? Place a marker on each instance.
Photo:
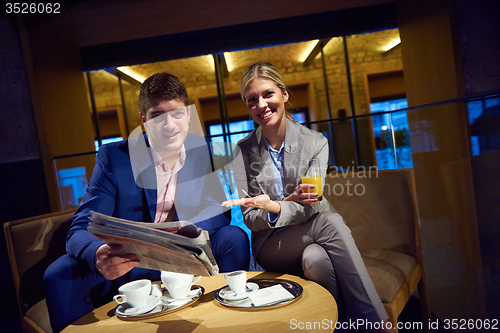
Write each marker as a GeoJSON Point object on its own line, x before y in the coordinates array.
{"type": "Point", "coordinates": [253, 173]}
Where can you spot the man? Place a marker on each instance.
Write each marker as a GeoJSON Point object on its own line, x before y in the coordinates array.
{"type": "Point", "coordinates": [157, 176]}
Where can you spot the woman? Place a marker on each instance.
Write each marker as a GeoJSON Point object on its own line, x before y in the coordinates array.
{"type": "Point", "coordinates": [292, 231]}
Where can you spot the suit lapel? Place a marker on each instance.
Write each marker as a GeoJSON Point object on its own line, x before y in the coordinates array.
{"type": "Point", "coordinates": [265, 178]}
{"type": "Point", "coordinates": [260, 160]}
{"type": "Point", "coordinates": [147, 181]}
{"type": "Point", "coordinates": [142, 162]}
{"type": "Point", "coordinates": [185, 174]}
{"type": "Point", "coordinates": [294, 143]}
{"type": "Point", "coordinates": [151, 197]}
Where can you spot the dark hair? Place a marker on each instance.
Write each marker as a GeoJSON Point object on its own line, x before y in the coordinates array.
{"type": "Point", "coordinates": [161, 87]}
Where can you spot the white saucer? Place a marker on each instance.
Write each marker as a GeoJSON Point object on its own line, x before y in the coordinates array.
{"type": "Point", "coordinates": [193, 294]}
{"type": "Point", "coordinates": [229, 295]}
{"type": "Point", "coordinates": [125, 310]}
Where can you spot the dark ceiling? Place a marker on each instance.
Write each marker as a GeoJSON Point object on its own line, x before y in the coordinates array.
{"type": "Point", "coordinates": [240, 37]}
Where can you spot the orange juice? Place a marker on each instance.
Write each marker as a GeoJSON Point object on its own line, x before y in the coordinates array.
{"type": "Point", "coordinates": [316, 181]}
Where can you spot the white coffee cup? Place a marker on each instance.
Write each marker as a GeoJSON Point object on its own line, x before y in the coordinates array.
{"type": "Point", "coordinates": [134, 293]}
{"type": "Point", "coordinates": [237, 281]}
{"type": "Point", "coordinates": [178, 284]}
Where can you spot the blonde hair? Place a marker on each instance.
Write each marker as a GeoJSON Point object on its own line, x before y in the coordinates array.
{"type": "Point", "coordinates": [263, 70]}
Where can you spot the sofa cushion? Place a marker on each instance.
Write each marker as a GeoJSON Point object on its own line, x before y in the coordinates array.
{"type": "Point", "coordinates": [381, 215]}
{"type": "Point", "coordinates": [36, 244]}
{"type": "Point", "coordinates": [388, 270]}
{"type": "Point", "coordinates": [40, 315]}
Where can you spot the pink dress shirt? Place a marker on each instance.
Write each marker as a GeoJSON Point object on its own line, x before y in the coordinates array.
{"type": "Point", "coordinates": [166, 182]}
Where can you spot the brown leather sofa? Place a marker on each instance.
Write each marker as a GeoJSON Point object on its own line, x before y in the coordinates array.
{"type": "Point", "coordinates": [380, 208]}
{"type": "Point", "coordinates": [33, 244]}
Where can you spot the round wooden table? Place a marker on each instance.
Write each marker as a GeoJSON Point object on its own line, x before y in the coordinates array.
{"type": "Point", "coordinates": [315, 311]}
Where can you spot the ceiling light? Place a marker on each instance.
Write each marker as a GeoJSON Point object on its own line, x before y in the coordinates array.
{"type": "Point", "coordinates": [132, 74]}
{"type": "Point", "coordinates": [210, 61]}
{"type": "Point", "coordinates": [308, 49]}
{"type": "Point", "coordinates": [229, 61]}
{"type": "Point", "coordinates": [392, 44]}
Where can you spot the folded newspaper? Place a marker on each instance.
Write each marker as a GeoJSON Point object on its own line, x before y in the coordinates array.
{"type": "Point", "coordinates": [178, 246]}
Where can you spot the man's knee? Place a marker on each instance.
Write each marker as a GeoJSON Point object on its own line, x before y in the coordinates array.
{"type": "Point", "coordinates": [231, 248]}
{"type": "Point", "coordinates": [231, 237]}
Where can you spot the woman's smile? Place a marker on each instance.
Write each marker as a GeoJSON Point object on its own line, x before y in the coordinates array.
{"type": "Point", "coordinates": [268, 114]}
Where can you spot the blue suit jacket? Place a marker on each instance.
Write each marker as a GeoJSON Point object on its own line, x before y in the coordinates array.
{"type": "Point", "coordinates": [113, 190]}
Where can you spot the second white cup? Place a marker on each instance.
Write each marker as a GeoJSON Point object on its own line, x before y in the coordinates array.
{"type": "Point", "coordinates": [178, 284]}
{"type": "Point", "coordinates": [237, 281]}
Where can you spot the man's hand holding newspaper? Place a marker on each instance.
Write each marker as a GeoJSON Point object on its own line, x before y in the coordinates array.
{"type": "Point", "coordinates": [178, 246]}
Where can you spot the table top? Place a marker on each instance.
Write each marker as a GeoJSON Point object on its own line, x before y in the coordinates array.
{"type": "Point", "coordinates": [315, 311]}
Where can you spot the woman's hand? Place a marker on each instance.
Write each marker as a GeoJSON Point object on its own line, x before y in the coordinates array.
{"type": "Point", "coordinates": [261, 201]}
{"type": "Point", "coordinates": [300, 195]}
{"type": "Point", "coordinates": [257, 202]}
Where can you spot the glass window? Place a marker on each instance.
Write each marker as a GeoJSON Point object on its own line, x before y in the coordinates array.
{"type": "Point", "coordinates": [108, 140]}
{"type": "Point", "coordinates": [106, 91]}
{"type": "Point", "coordinates": [72, 184]}
{"type": "Point", "coordinates": [391, 134]}
{"type": "Point", "coordinates": [234, 127]}
{"type": "Point", "coordinates": [484, 120]}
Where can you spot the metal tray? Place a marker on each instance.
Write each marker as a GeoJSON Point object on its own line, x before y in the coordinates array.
{"type": "Point", "coordinates": [163, 309]}
{"type": "Point", "coordinates": [293, 287]}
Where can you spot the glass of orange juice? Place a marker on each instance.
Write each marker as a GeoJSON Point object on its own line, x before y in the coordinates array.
{"type": "Point", "coordinates": [313, 177]}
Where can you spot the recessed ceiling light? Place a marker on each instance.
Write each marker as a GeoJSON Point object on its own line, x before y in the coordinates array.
{"type": "Point", "coordinates": [136, 76]}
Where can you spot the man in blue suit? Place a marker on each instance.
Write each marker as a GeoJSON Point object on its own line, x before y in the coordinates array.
{"type": "Point", "coordinates": [161, 175]}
